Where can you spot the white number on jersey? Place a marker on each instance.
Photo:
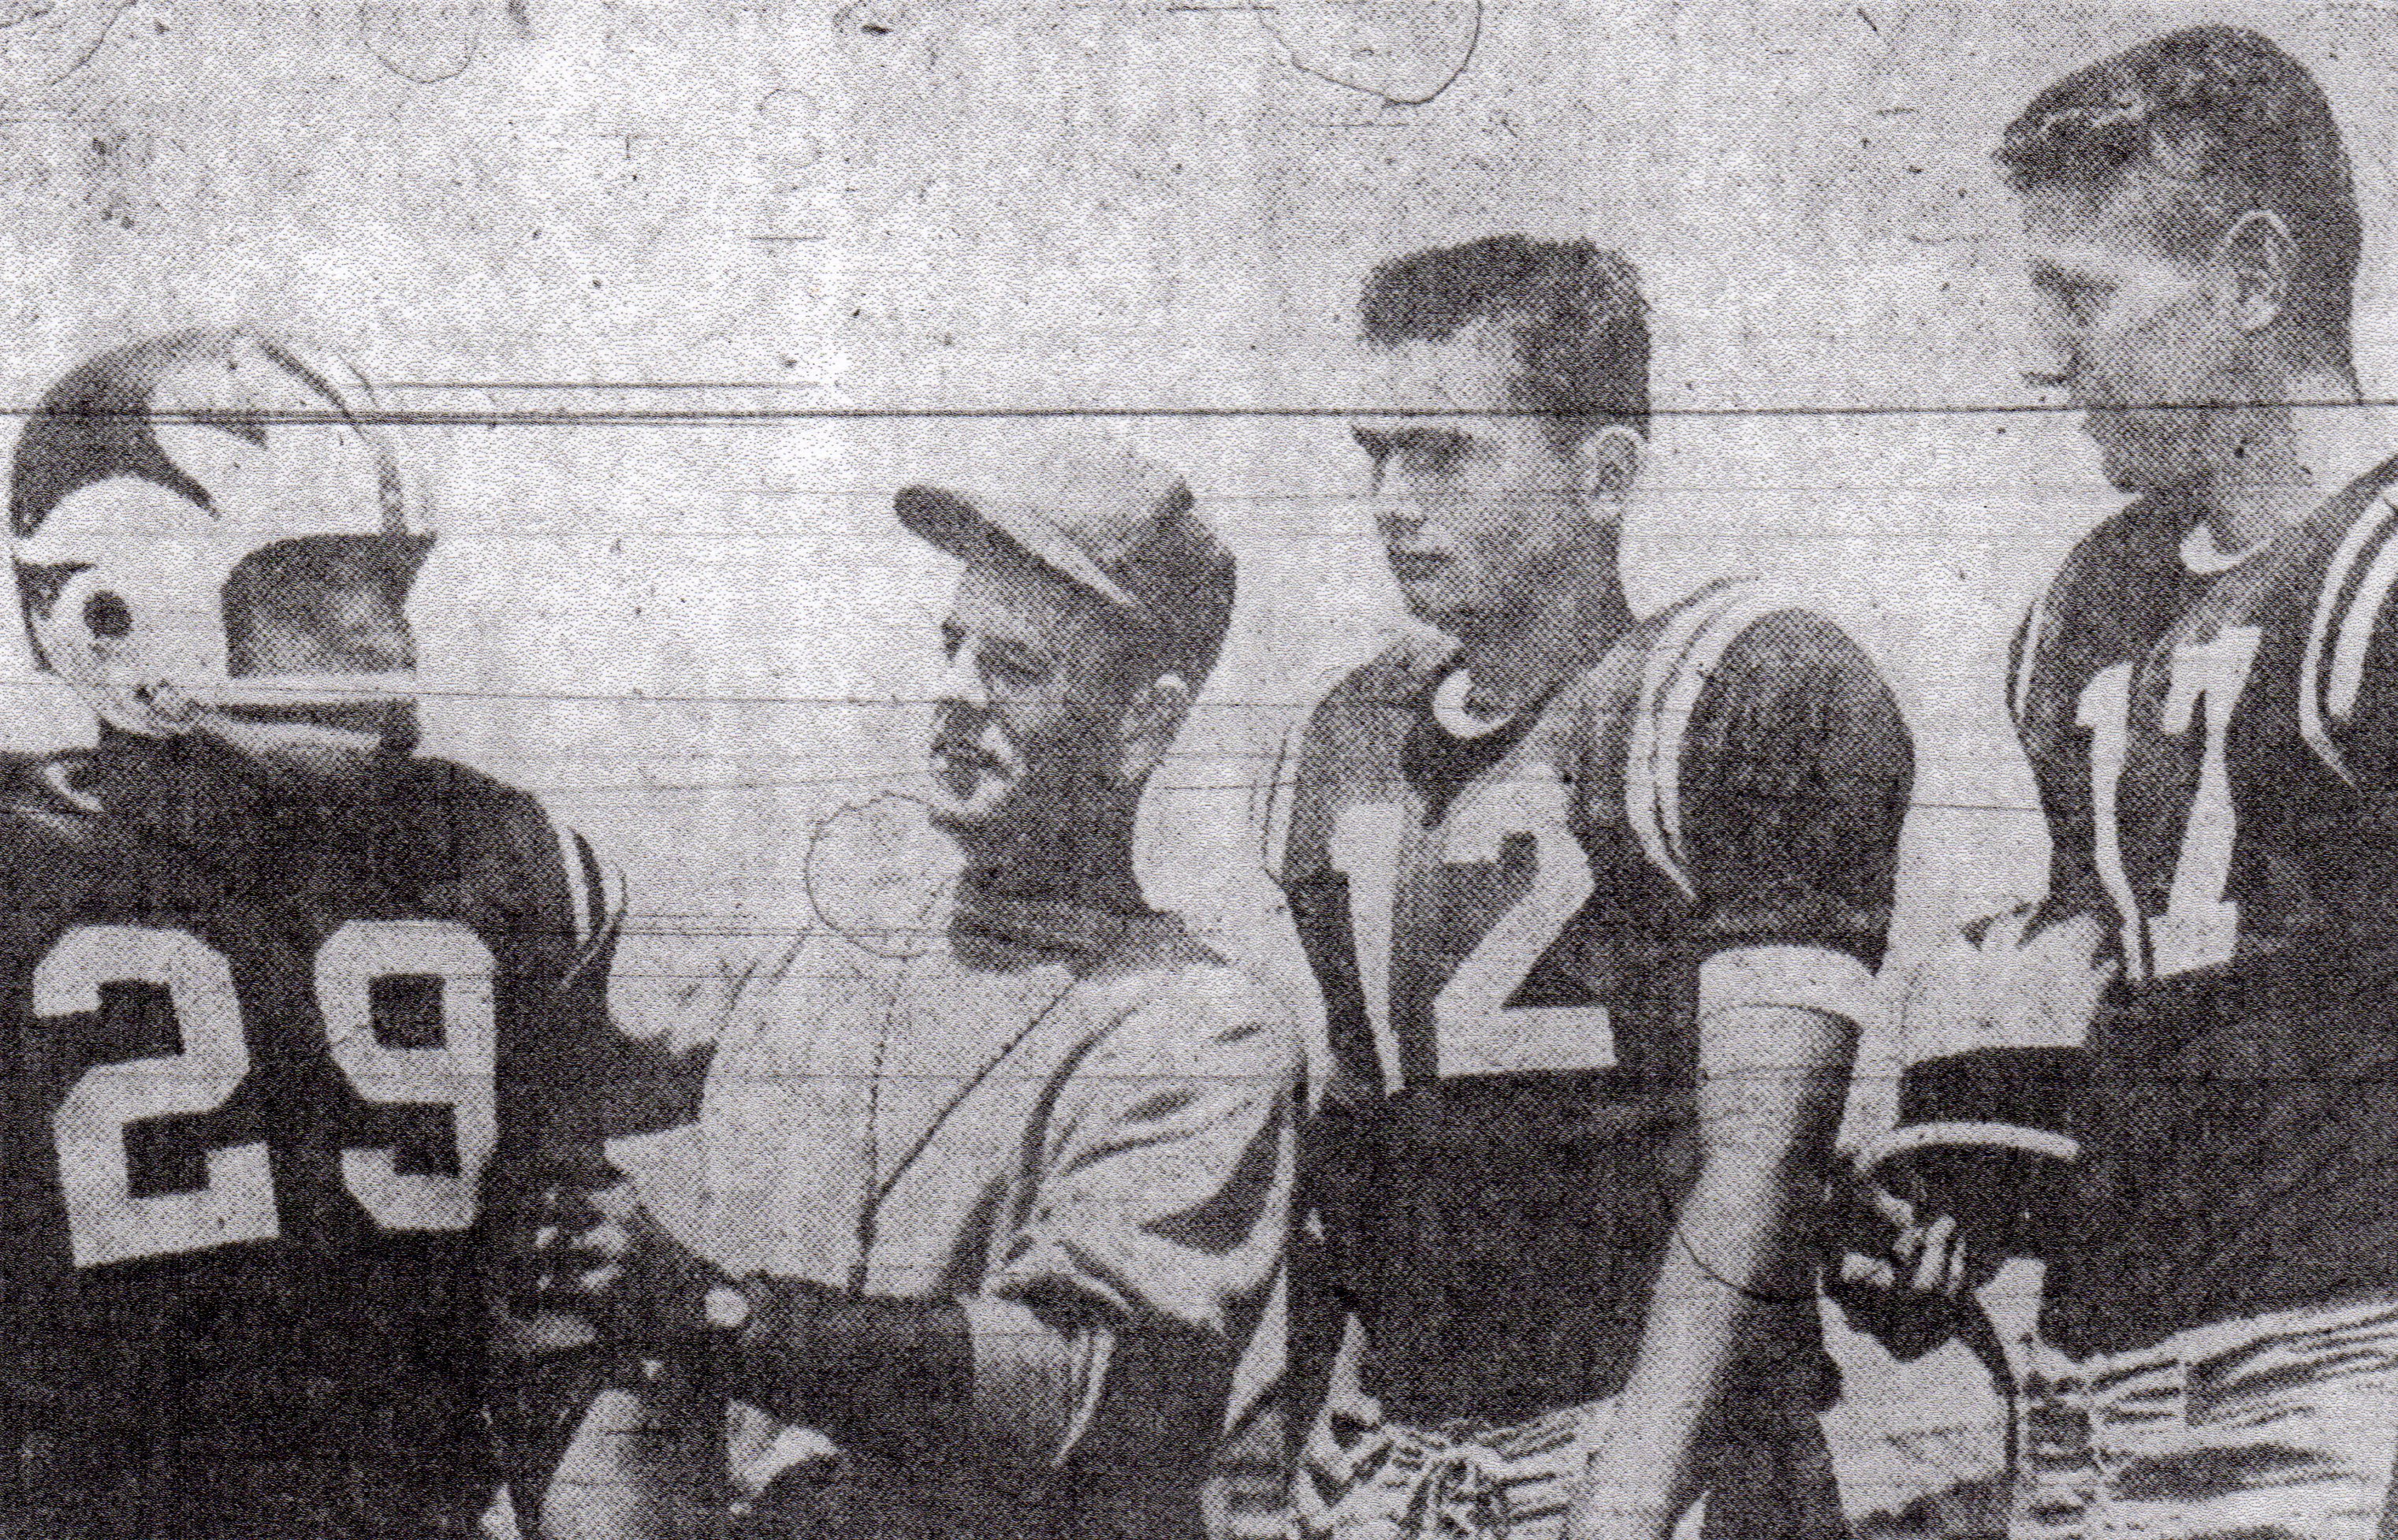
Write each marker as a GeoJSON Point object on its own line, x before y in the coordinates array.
{"type": "Point", "coordinates": [2199, 927]}
{"type": "Point", "coordinates": [1475, 1031]}
{"type": "Point", "coordinates": [1365, 848]}
{"type": "Point", "coordinates": [106, 1222]}
{"type": "Point", "coordinates": [457, 1075]}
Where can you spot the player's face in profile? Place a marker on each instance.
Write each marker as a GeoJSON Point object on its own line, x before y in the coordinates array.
{"type": "Point", "coordinates": [322, 607]}
{"type": "Point", "coordinates": [2136, 336]}
{"type": "Point", "coordinates": [1023, 718]}
{"type": "Point", "coordinates": [1477, 508]}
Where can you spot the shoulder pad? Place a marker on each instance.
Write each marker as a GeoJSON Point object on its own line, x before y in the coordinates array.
{"type": "Point", "coordinates": [2356, 586]}
{"type": "Point", "coordinates": [1682, 649]}
{"type": "Point", "coordinates": [2138, 544]}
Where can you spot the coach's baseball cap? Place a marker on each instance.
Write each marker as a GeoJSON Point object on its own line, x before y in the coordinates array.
{"type": "Point", "coordinates": [1107, 521]}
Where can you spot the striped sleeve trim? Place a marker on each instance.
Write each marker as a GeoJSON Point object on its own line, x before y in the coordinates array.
{"type": "Point", "coordinates": [595, 891]}
{"type": "Point", "coordinates": [2356, 585]}
{"type": "Point", "coordinates": [1681, 661]}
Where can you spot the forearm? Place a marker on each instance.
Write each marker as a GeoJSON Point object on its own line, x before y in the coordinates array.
{"type": "Point", "coordinates": [1771, 1089]}
{"type": "Point", "coordinates": [1645, 1470]}
{"type": "Point", "coordinates": [868, 1371]}
{"type": "Point", "coordinates": [983, 1374]}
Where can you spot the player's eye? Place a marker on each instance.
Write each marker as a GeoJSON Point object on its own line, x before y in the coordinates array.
{"type": "Point", "coordinates": [952, 638]}
{"type": "Point", "coordinates": [2083, 299]}
{"type": "Point", "coordinates": [2083, 302]}
{"type": "Point", "coordinates": [1436, 456]}
{"type": "Point", "coordinates": [1015, 672]}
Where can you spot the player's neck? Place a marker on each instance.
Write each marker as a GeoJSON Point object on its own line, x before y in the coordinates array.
{"type": "Point", "coordinates": [1089, 865]}
{"type": "Point", "coordinates": [2284, 460]}
{"type": "Point", "coordinates": [1571, 629]}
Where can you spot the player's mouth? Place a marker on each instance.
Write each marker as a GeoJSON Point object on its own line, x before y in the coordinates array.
{"type": "Point", "coordinates": [962, 767]}
{"type": "Point", "coordinates": [1418, 566]}
{"type": "Point", "coordinates": [375, 718]}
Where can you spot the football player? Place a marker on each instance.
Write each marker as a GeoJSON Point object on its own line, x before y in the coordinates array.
{"type": "Point", "coordinates": [2189, 1041]}
{"type": "Point", "coordinates": [1594, 900]}
{"type": "Point", "coordinates": [278, 993]}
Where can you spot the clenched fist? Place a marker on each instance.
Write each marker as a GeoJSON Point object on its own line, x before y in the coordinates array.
{"type": "Point", "coordinates": [600, 1256]}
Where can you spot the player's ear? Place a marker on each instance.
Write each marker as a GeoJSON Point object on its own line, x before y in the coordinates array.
{"type": "Point", "coordinates": [1608, 463]}
{"type": "Point", "coordinates": [1148, 727]}
{"type": "Point", "coordinates": [2256, 255]}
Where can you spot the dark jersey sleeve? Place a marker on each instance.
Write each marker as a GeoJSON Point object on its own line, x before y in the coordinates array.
{"type": "Point", "coordinates": [1795, 773]}
{"type": "Point", "coordinates": [2348, 709]}
{"type": "Point", "coordinates": [571, 1081]}
{"type": "Point", "coordinates": [590, 1080]}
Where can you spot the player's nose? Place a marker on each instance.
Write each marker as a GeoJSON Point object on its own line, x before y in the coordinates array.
{"type": "Point", "coordinates": [961, 682]}
{"type": "Point", "coordinates": [2046, 358]}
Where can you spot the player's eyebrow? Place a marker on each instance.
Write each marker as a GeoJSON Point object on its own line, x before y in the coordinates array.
{"type": "Point", "coordinates": [2047, 275]}
{"type": "Point", "coordinates": [1381, 444]}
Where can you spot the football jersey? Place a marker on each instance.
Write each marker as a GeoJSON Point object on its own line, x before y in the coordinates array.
{"type": "Point", "coordinates": [1510, 930]}
{"type": "Point", "coordinates": [259, 1053]}
{"type": "Point", "coordinates": [2216, 749]}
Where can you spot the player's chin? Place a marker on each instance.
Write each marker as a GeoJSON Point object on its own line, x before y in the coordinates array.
{"type": "Point", "coordinates": [332, 749]}
{"type": "Point", "coordinates": [1447, 608]}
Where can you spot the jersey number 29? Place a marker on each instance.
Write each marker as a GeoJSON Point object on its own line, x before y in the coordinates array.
{"type": "Point", "coordinates": [107, 1223]}
{"type": "Point", "coordinates": [1475, 1030]}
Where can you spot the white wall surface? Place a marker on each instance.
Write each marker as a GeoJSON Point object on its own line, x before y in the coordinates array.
{"type": "Point", "coordinates": [632, 235]}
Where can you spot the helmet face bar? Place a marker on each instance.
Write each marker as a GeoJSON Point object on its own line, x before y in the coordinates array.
{"type": "Point", "coordinates": [147, 479]}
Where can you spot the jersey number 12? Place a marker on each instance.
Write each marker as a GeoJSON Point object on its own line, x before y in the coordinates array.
{"type": "Point", "coordinates": [107, 1223]}
{"type": "Point", "coordinates": [1475, 1030]}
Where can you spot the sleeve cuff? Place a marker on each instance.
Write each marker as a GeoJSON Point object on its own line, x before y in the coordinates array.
{"type": "Point", "coordinates": [1033, 1386]}
{"type": "Point", "coordinates": [1787, 977]}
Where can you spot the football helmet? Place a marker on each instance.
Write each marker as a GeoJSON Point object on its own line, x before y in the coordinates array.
{"type": "Point", "coordinates": [163, 491]}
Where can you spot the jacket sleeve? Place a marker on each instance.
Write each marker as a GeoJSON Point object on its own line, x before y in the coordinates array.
{"type": "Point", "coordinates": [1145, 1259]}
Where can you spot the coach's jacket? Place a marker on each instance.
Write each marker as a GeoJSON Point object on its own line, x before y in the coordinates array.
{"type": "Point", "coordinates": [1076, 1123]}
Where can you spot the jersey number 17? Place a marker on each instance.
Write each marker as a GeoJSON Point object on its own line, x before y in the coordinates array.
{"type": "Point", "coordinates": [2199, 927]}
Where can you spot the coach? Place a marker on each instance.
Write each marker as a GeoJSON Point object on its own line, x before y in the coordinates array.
{"type": "Point", "coordinates": [994, 1190]}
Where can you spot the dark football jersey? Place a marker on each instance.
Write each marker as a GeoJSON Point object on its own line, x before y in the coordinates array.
{"type": "Point", "coordinates": [2216, 753]}
{"type": "Point", "coordinates": [1509, 930]}
{"type": "Point", "coordinates": [258, 1055]}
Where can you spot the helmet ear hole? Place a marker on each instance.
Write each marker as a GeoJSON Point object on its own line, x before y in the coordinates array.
{"type": "Point", "coordinates": [104, 614]}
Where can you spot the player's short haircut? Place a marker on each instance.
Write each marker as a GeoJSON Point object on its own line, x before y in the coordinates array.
{"type": "Point", "coordinates": [2213, 123]}
{"type": "Point", "coordinates": [1574, 309]}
